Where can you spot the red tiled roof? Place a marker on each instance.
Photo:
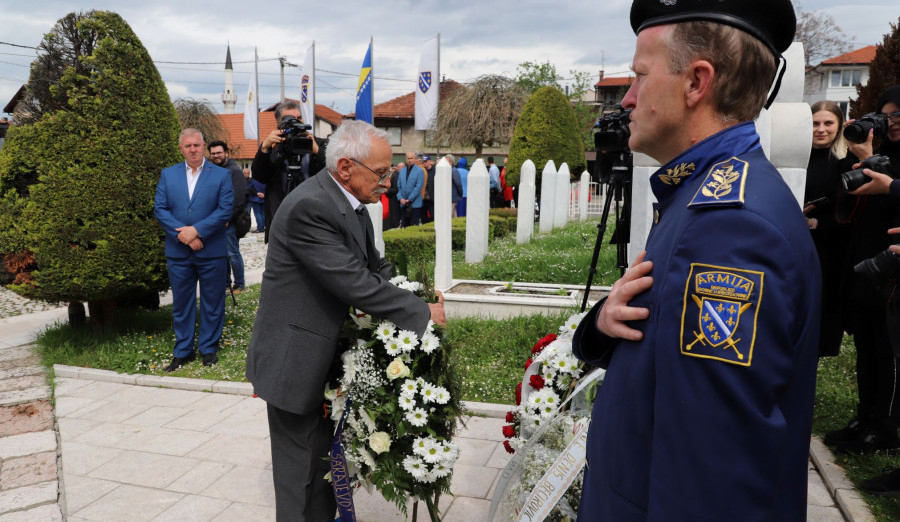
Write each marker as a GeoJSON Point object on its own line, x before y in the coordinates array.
{"type": "Point", "coordinates": [322, 112]}
{"type": "Point", "coordinates": [620, 81]}
{"type": "Point", "coordinates": [404, 107]}
{"type": "Point", "coordinates": [859, 56]}
{"type": "Point", "coordinates": [242, 148]}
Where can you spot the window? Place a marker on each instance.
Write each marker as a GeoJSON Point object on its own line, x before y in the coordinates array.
{"type": "Point", "coordinates": [846, 77]}
{"type": "Point", "coordinates": [845, 108]}
{"type": "Point", "coordinates": [394, 135]}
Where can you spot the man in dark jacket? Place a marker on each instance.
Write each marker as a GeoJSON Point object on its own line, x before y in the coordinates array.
{"type": "Point", "coordinates": [280, 171]}
{"type": "Point", "coordinates": [218, 153]}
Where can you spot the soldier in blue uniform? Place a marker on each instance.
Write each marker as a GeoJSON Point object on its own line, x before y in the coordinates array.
{"type": "Point", "coordinates": [710, 339]}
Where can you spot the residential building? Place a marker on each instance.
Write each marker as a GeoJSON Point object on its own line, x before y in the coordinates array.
{"type": "Point", "coordinates": [608, 92]}
{"type": "Point", "coordinates": [836, 78]}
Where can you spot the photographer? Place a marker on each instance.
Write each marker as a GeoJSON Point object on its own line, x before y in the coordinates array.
{"type": "Point", "coordinates": [280, 170]}
{"type": "Point", "coordinates": [873, 213]}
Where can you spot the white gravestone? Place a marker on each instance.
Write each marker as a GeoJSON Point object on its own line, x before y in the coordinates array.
{"type": "Point", "coordinates": [443, 250]}
{"type": "Point", "coordinates": [584, 187]}
{"type": "Point", "coordinates": [525, 215]}
{"type": "Point", "coordinates": [477, 207]}
{"type": "Point", "coordinates": [561, 207]}
{"type": "Point", "coordinates": [548, 197]}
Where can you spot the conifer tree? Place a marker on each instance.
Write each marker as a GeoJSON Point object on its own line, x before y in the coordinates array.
{"type": "Point", "coordinates": [884, 72]}
{"type": "Point", "coordinates": [81, 179]}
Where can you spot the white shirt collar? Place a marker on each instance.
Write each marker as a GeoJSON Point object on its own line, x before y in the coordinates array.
{"type": "Point", "coordinates": [354, 203]}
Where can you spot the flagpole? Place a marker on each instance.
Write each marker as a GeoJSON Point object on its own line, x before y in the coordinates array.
{"type": "Point", "coordinates": [256, 98]}
{"type": "Point", "coordinates": [313, 123]}
{"type": "Point", "coordinates": [372, 77]}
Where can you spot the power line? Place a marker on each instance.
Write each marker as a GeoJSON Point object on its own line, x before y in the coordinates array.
{"type": "Point", "coordinates": [17, 45]}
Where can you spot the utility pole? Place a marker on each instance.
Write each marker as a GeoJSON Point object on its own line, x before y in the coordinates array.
{"type": "Point", "coordinates": [283, 61]}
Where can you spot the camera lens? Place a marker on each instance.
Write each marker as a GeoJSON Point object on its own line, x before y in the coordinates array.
{"type": "Point", "coordinates": [853, 179]}
{"type": "Point", "coordinates": [858, 131]}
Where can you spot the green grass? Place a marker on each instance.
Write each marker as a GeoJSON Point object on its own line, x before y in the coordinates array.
{"type": "Point", "coordinates": [836, 400]}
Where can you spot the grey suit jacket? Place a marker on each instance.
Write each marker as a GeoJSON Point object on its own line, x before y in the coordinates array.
{"type": "Point", "coordinates": [317, 266]}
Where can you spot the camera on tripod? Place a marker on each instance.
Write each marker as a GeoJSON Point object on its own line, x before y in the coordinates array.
{"type": "Point", "coordinates": [296, 133]}
{"type": "Point", "coordinates": [611, 134]}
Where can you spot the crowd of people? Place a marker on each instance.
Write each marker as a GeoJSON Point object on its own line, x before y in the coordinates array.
{"type": "Point", "coordinates": [710, 339]}
{"type": "Point", "coordinates": [849, 228]}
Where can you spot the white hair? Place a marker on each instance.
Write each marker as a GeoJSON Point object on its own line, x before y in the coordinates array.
{"type": "Point", "coordinates": [190, 131]}
{"type": "Point", "coordinates": [353, 139]}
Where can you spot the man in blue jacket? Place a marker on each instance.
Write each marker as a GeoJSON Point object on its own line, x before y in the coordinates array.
{"type": "Point", "coordinates": [409, 192]}
{"type": "Point", "coordinates": [193, 203]}
{"type": "Point", "coordinates": [710, 339]}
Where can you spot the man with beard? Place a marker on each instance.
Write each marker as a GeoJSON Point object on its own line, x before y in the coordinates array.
{"type": "Point", "coordinates": [218, 153]}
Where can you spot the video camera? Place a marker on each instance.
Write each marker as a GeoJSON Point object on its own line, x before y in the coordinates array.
{"type": "Point", "coordinates": [614, 159]}
{"type": "Point", "coordinates": [858, 131]}
{"type": "Point", "coordinates": [296, 133]}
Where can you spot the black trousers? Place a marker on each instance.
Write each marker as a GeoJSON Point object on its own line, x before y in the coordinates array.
{"type": "Point", "coordinates": [877, 370]}
{"type": "Point", "coordinates": [300, 445]}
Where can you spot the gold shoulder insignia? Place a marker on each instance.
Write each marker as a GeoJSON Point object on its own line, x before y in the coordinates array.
{"type": "Point", "coordinates": [724, 185]}
{"type": "Point", "coordinates": [674, 176]}
{"type": "Point", "coordinates": [721, 306]}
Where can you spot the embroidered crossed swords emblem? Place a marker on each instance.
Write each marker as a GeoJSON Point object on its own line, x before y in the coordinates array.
{"type": "Point", "coordinates": [718, 323]}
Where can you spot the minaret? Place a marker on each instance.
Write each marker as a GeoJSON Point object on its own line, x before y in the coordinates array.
{"type": "Point", "coordinates": [228, 97]}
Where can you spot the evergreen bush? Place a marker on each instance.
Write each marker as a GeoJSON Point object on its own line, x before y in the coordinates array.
{"type": "Point", "coordinates": [91, 169]}
{"type": "Point", "coordinates": [547, 130]}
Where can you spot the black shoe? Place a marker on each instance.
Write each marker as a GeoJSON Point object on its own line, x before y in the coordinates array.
{"type": "Point", "coordinates": [883, 485]}
{"type": "Point", "coordinates": [237, 289]}
{"type": "Point", "coordinates": [210, 359]}
{"type": "Point", "coordinates": [844, 435]}
{"type": "Point", "coordinates": [871, 439]}
{"type": "Point", "coordinates": [178, 362]}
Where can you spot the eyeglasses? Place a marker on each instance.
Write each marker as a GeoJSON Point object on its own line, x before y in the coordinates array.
{"type": "Point", "coordinates": [383, 174]}
{"type": "Point", "coordinates": [894, 116]}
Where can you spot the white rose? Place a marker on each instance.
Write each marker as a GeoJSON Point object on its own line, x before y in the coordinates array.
{"type": "Point", "coordinates": [380, 442]}
{"type": "Point", "coordinates": [397, 370]}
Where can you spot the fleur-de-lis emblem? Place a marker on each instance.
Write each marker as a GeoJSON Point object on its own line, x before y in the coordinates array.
{"type": "Point", "coordinates": [674, 176]}
{"type": "Point", "coordinates": [722, 182]}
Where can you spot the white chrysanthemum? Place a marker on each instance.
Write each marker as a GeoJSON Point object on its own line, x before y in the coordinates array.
{"type": "Point", "coordinates": [516, 443]}
{"type": "Point", "coordinates": [385, 331]}
{"type": "Point", "coordinates": [367, 459]}
{"type": "Point", "coordinates": [441, 470]}
{"type": "Point", "coordinates": [409, 386]}
{"type": "Point", "coordinates": [419, 445]}
{"type": "Point", "coordinates": [571, 366]}
{"type": "Point", "coordinates": [427, 477]}
{"type": "Point", "coordinates": [548, 410]}
{"type": "Point", "coordinates": [392, 347]}
{"type": "Point", "coordinates": [414, 286]}
{"type": "Point", "coordinates": [449, 452]}
{"type": "Point", "coordinates": [414, 466]}
{"type": "Point", "coordinates": [407, 401]}
{"type": "Point", "coordinates": [398, 279]}
{"type": "Point", "coordinates": [432, 451]}
{"type": "Point", "coordinates": [536, 398]}
{"type": "Point", "coordinates": [349, 366]}
{"type": "Point", "coordinates": [408, 340]}
{"type": "Point", "coordinates": [417, 417]}
{"type": "Point", "coordinates": [568, 329]}
{"type": "Point", "coordinates": [430, 327]}
{"type": "Point", "coordinates": [364, 416]}
{"type": "Point", "coordinates": [442, 396]}
{"type": "Point", "coordinates": [428, 392]}
{"type": "Point", "coordinates": [430, 342]}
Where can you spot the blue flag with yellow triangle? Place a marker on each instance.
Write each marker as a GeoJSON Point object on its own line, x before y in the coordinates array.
{"type": "Point", "coordinates": [364, 101]}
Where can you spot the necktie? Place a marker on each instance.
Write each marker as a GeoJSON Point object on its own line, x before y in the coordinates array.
{"type": "Point", "coordinates": [363, 217]}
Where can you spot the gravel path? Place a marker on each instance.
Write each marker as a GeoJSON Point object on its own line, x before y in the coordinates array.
{"type": "Point", "coordinates": [11, 304]}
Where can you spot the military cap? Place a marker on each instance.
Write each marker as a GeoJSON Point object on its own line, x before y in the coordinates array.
{"type": "Point", "coordinates": [771, 21]}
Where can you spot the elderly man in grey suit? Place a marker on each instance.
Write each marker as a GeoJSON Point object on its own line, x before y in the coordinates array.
{"type": "Point", "coordinates": [321, 260]}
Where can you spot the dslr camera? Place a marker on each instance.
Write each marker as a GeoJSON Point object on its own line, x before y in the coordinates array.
{"type": "Point", "coordinates": [611, 134]}
{"type": "Point", "coordinates": [297, 140]}
{"type": "Point", "coordinates": [881, 269]}
{"type": "Point", "coordinates": [853, 179]}
{"type": "Point", "coordinates": [858, 131]}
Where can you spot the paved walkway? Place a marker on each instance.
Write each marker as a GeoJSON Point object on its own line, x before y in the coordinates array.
{"type": "Point", "coordinates": [131, 447]}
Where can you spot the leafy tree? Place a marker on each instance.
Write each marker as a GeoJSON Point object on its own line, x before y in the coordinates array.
{"type": "Point", "coordinates": [547, 130]}
{"type": "Point", "coordinates": [532, 76]}
{"type": "Point", "coordinates": [821, 36]}
{"type": "Point", "coordinates": [481, 113]}
{"type": "Point", "coordinates": [200, 115]}
{"type": "Point", "coordinates": [884, 71]}
{"type": "Point", "coordinates": [81, 179]}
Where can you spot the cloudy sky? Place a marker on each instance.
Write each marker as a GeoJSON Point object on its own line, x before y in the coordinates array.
{"type": "Point", "coordinates": [476, 38]}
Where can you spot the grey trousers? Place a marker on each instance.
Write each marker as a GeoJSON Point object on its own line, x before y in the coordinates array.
{"type": "Point", "coordinates": [300, 445]}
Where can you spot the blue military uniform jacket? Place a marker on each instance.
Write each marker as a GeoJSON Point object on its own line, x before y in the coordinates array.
{"type": "Point", "coordinates": [708, 417]}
